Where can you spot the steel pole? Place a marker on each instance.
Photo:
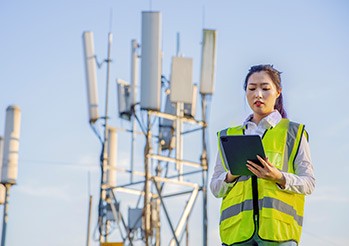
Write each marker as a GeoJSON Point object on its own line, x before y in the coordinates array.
{"type": "Point", "coordinates": [89, 221]}
{"type": "Point", "coordinates": [134, 84]}
{"type": "Point", "coordinates": [147, 153]}
{"type": "Point", "coordinates": [204, 162]}
{"type": "Point", "coordinates": [5, 217]}
{"type": "Point", "coordinates": [179, 143]}
{"type": "Point", "coordinates": [102, 223]}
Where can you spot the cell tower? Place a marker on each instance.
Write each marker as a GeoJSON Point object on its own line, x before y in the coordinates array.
{"type": "Point", "coordinates": [169, 106]}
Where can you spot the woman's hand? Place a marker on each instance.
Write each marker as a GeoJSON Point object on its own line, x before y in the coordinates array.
{"type": "Point", "coordinates": [268, 171]}
{"type": "Point", "coordinates": [230, 177]}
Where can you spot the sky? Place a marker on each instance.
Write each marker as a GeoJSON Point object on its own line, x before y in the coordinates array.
{"type": "Point", "coordinates": [42, 71]}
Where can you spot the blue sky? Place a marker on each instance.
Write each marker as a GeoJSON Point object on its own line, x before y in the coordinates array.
{"type": "Point", "coordinates": [42, 71]}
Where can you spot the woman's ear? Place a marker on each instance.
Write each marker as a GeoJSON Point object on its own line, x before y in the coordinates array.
{"type": "Point", "coordinates": [279, 93]}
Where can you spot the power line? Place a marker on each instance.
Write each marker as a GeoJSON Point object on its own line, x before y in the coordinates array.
{"type": "Point", "coordinates": [62, 163]}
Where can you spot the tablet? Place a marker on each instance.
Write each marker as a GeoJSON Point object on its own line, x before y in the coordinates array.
{"type": "Point", "coordinates": [236, 150]}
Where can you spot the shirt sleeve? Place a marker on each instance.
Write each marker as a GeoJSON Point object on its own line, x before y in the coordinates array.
{"type": "Point", "coordinates": [219, 187]}
{"type": "Point", "coordinates": [303, 181]}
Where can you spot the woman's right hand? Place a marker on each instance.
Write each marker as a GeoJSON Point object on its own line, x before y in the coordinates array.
{"type": "Point", "coordinates": [230, 177]}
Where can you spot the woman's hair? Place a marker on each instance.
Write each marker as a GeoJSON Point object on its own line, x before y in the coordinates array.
{"type": "Point", "coordinates": [275, 77]}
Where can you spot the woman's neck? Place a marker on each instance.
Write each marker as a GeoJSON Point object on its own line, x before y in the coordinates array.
{"type": "Point", "coordinates": [256, 118]}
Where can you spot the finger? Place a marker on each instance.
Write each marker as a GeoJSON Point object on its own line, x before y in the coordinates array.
{"type": "Point", "coordinates": [254, 165]}
{"type": "Point", "coordinates": [265, 161]}
{"type": "Point", "coordinates": [253, 170]}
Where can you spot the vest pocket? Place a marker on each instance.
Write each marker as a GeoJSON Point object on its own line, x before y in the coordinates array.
{"type": "Point", "coordinates": [279, 221]}
{"type": "Point", "coordinates": [277, 226]}
{"type": "Point", "coordinates": [238, 228]}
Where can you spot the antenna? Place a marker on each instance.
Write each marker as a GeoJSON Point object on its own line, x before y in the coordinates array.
{"type": "Point", "coordinates": [10, 159]}
{"type": "Point", "coordinates": [89, 209]}
{"type": "Point", "coordinates": [110, 19]}
{"type": "Point", "coordinates": [190, 108]}
{"type": "Point", "coordinates": [178, 44]}
{"type": "Point", "coordinates": [208, 61]}
{"type": "Point", "coordinates": [112, 157]}
{"type": "Point", "coordinates": [150, 5]}
{"type": "Point", "coordinates": [203, 16]}
{"type": "Point", "coordinates": [124, 99]}
{"type": "Point", "coordinates": [91, 77]}
{"type": "Point", "coordinates": [181, 80]}
{"type": "Point", "coordinates": [151, 61]}
{"type": "Point", "coordinates": [134, 71]}
{"type": "Point", "coordinates": [11, 145]}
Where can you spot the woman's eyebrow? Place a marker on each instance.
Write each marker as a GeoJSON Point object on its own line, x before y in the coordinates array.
{"type": "Point", "coordinates": [263, 83]}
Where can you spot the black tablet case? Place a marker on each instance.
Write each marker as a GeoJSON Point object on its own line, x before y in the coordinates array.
{"type": "Point", "coordinates": [237, 149]}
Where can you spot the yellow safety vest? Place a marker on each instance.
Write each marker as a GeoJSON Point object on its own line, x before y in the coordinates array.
{"type": "Point", "coordinates": [253, 201]}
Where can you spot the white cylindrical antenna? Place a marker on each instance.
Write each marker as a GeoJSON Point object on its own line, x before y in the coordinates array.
{"type": "Point", "coordinates": [182, 80]}
{"type": "Point", "coordinates": [112, 157]}
{"type": "Point", "coordinates": [208, 61]}
{"type": "Point", "coordinates": [151, 61]}
{"type": "Point", "coordinates": [134, 71]}
{"type": "Point", "coordinates": [11, 145]}
{"type": "Point", "coordinates": [91, 76]}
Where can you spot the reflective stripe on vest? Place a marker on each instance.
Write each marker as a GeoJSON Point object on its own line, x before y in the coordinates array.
{"type": "Point", "coordinates": [280, 213]}
{"type": "Point", "coordinates": [266, 202]}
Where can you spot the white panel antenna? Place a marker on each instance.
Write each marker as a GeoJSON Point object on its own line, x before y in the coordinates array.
{"type": "Point", "coordinates": [166, 125]}
{"type": "Point", "coordinates": [182, 80]}
{"type": "Point", "coordinates": [151, 61]}
{"type": "Point", "coordinates": [124, 99]}
{"type": "Point", "coordinates": [112, 157]}
{"type": "Point", "coordinates": [91, 76]}
{"type": "Point", "coordinates": [134, 71]}
{"type": "Point", "coordinates": [208, 61]}
{"type": "Point", "coordinates": [9, 171]}
{"type": "Point", "coordinates": [190, 108]}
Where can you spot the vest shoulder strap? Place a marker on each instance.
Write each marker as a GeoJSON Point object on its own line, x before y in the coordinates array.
{"type": "Point", "coordinates": [295, 134]}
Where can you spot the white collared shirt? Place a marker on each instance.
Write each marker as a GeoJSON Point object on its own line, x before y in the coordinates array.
{"type": "Point", "coordinates": [302, 182]}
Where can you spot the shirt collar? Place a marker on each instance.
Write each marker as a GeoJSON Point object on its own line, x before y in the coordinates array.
{"type": "Point", "coordinates": [270, 120]}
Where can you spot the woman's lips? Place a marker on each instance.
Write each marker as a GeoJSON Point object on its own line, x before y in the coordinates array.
{"type": "Point", "coordinates": [258, 103]}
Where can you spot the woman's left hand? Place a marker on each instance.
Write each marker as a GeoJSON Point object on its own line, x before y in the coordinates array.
{"type": "Point", "coordinates": [266, 171]}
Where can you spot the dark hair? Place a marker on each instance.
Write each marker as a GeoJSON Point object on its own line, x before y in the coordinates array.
{"type": "Point", "coordinates": [276, 78]}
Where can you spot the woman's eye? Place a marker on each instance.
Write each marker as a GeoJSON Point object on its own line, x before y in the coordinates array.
{"type": "Point", "coordinates": [251, 89]}
{"type": "Point", "coordinates": [266, 89]}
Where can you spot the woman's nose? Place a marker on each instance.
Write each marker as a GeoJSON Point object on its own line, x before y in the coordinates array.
{"type": "Point", "coordinates": [258, 93]}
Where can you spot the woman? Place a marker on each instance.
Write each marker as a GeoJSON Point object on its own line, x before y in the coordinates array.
{"type": "Point", "coordinates": [267, 207]}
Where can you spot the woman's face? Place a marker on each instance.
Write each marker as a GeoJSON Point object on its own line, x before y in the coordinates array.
{"type": "Point", "coordinates": [261, 94]}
